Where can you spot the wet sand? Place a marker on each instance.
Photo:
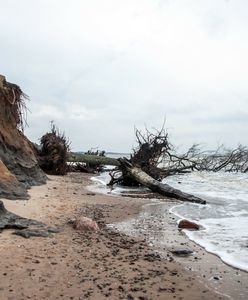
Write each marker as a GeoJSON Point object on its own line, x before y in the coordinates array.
{"type": "Point", "coordinates": [99, 265]}
{"type": "Point", "coordinates": [163, 235]}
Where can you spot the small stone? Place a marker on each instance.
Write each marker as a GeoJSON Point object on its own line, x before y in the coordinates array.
{"type": "Point", "coordinates": [182, 252]}
{"type": "Point", "coordinates": [36, 261]}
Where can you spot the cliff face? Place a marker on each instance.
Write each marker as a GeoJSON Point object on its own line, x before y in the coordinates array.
{"type": "Point", "coordinates": [18, 165]}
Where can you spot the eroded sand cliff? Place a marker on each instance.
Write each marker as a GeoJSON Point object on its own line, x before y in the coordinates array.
{"type": "Point", "coordinates": [18, 165]}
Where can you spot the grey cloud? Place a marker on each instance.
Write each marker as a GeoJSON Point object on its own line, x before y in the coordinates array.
{"type": "Point", "coordinates": [236, 117]}
{"type": "Point", "coordinates": [99, 68]}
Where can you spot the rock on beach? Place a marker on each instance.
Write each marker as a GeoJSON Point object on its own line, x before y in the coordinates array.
{"type": "Point", "coordinates": [186, 224]}
{"type": "Point", "coordinates": [85, 224]}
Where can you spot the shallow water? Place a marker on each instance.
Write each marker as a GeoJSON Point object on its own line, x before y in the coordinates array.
{"type": "Point", "coordinates": [224, 219]}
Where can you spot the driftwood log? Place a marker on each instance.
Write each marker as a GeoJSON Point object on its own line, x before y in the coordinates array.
{"type": "Point", "coordinates": [161, 188]}
{"type": "Point", "coordinates": [135, 174]}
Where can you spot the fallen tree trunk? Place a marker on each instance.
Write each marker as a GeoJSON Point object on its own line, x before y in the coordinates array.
{"type": "Point", "coordinates": [93, 160]}
{"type": "Point", "coordinates": [164, 189]}
{"type": "Point", "coordinates": [89, 163]}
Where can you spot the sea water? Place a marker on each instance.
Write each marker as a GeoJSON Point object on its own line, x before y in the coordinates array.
{"type": "Point", "coordinates": [223, 220]}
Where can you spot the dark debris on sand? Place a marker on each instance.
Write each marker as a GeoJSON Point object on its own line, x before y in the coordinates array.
{"type": "Point", "coordinates": [124, 267]}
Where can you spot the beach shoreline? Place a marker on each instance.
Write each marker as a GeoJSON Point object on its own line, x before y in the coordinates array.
{"type": "Point", "coordinates": [102, 265]}
{"type": "Point", "coordinates": [207, 267]}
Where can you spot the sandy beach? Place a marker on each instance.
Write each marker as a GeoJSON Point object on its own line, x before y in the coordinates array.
{"type": "Point", "coordinates": [103, 264]}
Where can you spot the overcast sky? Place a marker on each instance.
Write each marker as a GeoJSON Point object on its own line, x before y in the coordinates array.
{"type": "Point", "coordinates": [100, 67]}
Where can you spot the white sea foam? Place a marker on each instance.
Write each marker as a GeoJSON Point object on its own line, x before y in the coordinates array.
{"type": "Point", "coordinates": [224, 218]}
{"type": "Point", "coordinates": [101, 185]}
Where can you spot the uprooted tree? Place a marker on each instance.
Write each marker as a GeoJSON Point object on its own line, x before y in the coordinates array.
{"type": "Point", "coordinates": [53, 153]}
{"type": "Point", "coordinates": [155, 158]}
{"type": "Point", "coordinates": [143, 167]}
{"type": "Point", "coordinates": [146, 156]}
